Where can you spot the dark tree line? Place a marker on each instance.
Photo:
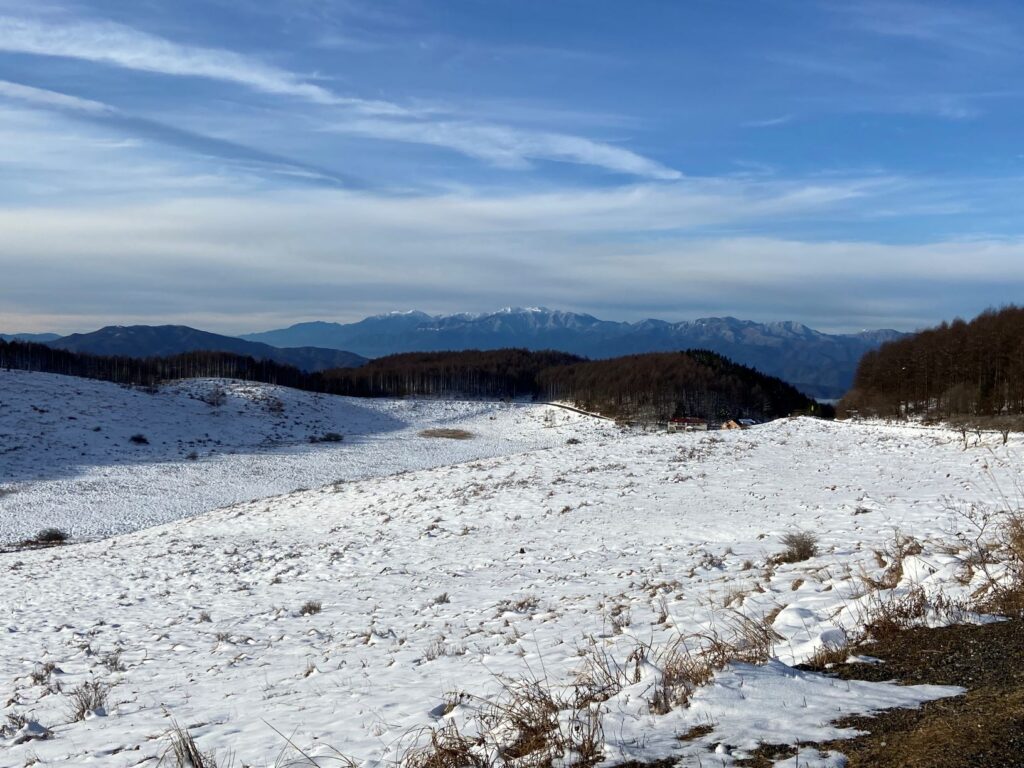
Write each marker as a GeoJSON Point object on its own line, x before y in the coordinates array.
{"type": "Point", "coordinates": [660, 386]}
{"type": "Point", "coordinates": [149, 371]}
{"type": "Point", "coordinates": [500, 373]}
{"type": "Point", "coordinates": [653, 386]}
{"type": "Point", "coordinates": [958, 369]}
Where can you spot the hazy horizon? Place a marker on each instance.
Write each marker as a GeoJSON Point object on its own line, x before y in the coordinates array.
{"type": "Point", "coordinates": [245, 331]}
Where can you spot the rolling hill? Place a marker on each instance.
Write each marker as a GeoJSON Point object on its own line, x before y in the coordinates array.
{"type": "Point", "coordinates": [165, 340]}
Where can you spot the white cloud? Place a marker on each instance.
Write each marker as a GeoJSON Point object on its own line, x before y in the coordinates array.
{"type": "Point", "coordinates": [46, 98]}
{"type": "Point", "coordinates": [507, 147]}
{"type": "Point", "coordinates": [129, 48]}
{"type": "Point", "coordinates": [245, 263]}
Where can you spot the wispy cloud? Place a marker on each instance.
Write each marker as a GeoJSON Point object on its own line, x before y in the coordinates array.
{"type": "Point", "coordinates": [507, 147]}
{"type": "Point", "coordinates": [250, 160]}
{"type": "Point", "coordinates": [52, 99]}
{"type": "Point", "coordinates": [769, 122]}
{"type": "Point", "coordinates": [126, 47]}
{"type": "Point", "coordinates": [961, 26]}
{"type": "Point", "coordinates": [129, 48]}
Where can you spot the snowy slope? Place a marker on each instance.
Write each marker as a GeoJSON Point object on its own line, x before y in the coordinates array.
{"type": "Point", "coordinates": [443, 580]}
{"type": "Point", "coordinates": [67, 459]}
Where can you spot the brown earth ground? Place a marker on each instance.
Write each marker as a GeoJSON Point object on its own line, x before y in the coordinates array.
{"type": "Point", "coordinates": [982, 729]}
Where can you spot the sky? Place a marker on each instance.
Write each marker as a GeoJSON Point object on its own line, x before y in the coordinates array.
{"type": "Point", "coordinates": [240, 165]}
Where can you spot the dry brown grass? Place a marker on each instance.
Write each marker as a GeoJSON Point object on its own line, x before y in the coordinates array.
{"type": "Point", "coordinates": [528, 725]}
{"type": "Point", "coordinates": [90, 696]}
{"type": "Point", "coordinates": [891, 560]}
{"type": "Point", "coordinates": [799, 546]}
{"type": "Point", "coordinates": [449, 434]}
{"type": "Point", "coordinates": [829, 654]}
{"type": "Point", "coordinates": [446, 747]}
{"type": "Point", "coordinates": [182, 752]}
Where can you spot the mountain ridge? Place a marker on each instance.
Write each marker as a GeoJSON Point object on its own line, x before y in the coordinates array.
{"type": "Point", "coordinates": [819, 363]}
{"type": "Point", "coordinates": [166, 340]}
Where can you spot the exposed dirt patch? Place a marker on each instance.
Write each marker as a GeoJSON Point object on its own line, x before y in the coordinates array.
{"type": "Point", "coordinates": [450, 434]}
{"type": "Point", "coordinates": [985, 727]}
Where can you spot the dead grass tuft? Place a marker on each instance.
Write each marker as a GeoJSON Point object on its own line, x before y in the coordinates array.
{"type": "Point", "coordinates": [799, 546]}
{"type": "Point", "coordinates": [88, 697]}
{"type": "Point", "coordinates": [446, 748]}
{"type": "Point", "coordinates": [182, 752]}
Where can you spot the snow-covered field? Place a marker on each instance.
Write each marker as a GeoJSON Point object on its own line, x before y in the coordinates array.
{"type": "Point", "coordinates": [436, 585]}
{"type": "Point", "coordinates": [67, 459]}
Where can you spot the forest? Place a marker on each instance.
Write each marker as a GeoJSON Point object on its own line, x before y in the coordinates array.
{"type": "Point", "coordinates": [957, 370]}
{"type": "Point", "coordinates": [655, 386]}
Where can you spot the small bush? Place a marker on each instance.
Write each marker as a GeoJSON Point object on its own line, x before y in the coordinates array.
{"type": "Point", "coordinates": [88, 697]}
{"type": "Point", "coordinates": [51, 536]}
{"type": "Point", "coordinates": [112, 661]}
{"type": "Point", "coordinates": [890, 615]}
{"type": "Point", "coordinates": [310, 608]}
{"type": "Point", "coordinates": [327, 437]}
{"type": "Point", "coordinates": [799, 546]}
{"type": "Point", "coordinates": [139, 439]}
{"type": "Point", "coordinates": [573, 441]}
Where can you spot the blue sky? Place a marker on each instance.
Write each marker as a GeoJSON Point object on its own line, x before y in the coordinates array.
{"type": "Point", "coordinates": [244, 165]}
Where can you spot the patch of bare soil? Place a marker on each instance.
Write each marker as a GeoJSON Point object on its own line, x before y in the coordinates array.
{"type": "Point", "coordinates": [982, 729]}
{"type": "Point", "coordinates": [450, 434]}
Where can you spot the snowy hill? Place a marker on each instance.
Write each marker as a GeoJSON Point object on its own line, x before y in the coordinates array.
{"type": "Point", "coordinates": [354, 616]}
{"type": "Point", "coordinates": [68, 459]}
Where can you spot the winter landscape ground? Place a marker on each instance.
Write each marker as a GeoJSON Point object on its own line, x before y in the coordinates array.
{"type": "Point", "coordinates": [422, 594]}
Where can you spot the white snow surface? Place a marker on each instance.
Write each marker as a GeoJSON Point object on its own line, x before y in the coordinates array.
{"type": "Point", "coordinates": [56, 470]}
{"type": "Point", "coordinates": [448, 579]}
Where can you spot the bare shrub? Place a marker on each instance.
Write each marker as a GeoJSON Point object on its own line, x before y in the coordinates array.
{"type": "Point", "coordinates": [327, 437]}
{"type": "Point", "coordinates": [310, 608]}
{"type": "Point", "coordinates": [139, 439]}
{"type": "Point", "coordinates": [41, 674]}
{"type": "Point", "coordinates": [88, 697]}
{"type": "Point", "coordinates": [799, 546]}
{"type": "Point", "coordinates": [1005, 595]}
{"type": "Point", "coordinates": [112, 661]}
{"type": "Point", "coordinates": [888, 615]}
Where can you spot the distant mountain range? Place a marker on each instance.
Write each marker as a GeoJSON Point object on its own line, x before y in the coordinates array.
{"type": "Point", "coordinates": [820, 364]}
{"type": "Point", "coordinates": [165, 340]}
{"type": "Point", "coordinates": [38, 338]}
